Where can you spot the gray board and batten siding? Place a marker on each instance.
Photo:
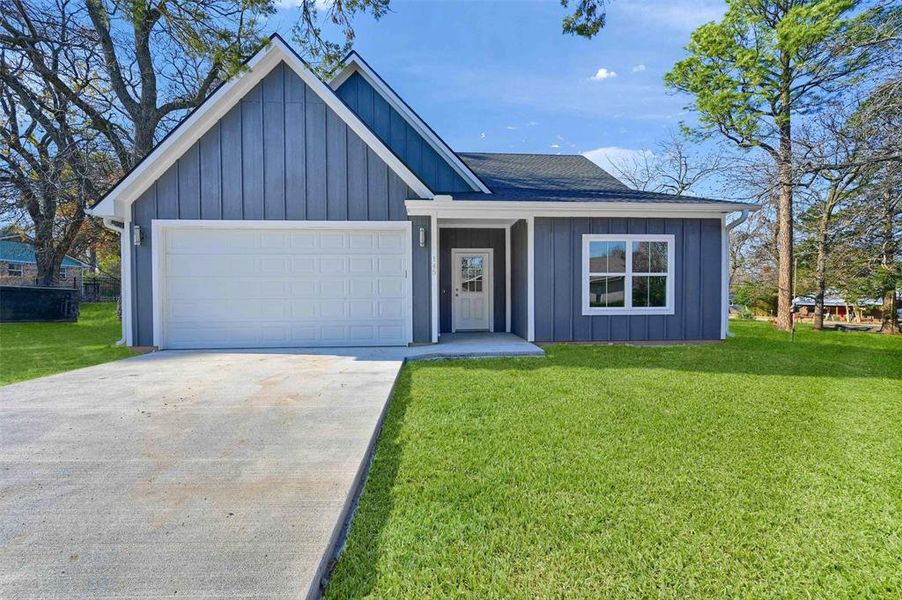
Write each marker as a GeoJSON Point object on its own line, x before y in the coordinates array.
{"type": "Point", "coordinates": [279, 154]}
{"type": "Point", "coordinates": [520, 279]}
{"type": "Point", "coordinates": [558, 285]}
{"type": "Point", "coordinates": [396, 133]}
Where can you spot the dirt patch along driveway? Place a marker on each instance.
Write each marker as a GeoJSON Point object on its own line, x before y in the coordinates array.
{"type": "Point", "coordinates": [190, 473]}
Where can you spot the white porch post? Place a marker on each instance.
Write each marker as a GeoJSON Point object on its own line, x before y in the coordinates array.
{"type": "Point", "coordinates": [125, 283]}
{"type": "Point", "coordinates": [433, 261]}
{"type": "Point", "coordinates": [507, 279]}
{"type": "Point", "coordinates": [530, 280]}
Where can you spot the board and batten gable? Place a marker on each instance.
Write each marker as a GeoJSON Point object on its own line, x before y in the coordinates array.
{"type": "Point", "coordinates": [279, 154]}
{"type": "Point", "coordinates": [396, 133]}
{"type": "Point", "coordinates": [558, 284]}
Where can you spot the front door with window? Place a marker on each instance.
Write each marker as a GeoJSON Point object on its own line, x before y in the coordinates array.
{"type": "Point", "coordinates": [471, 306]}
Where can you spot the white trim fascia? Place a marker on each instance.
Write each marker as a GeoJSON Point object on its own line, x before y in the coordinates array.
{"type": "Point", "coordinates": [627, 309]}
{"type": "Point", "coordinates": [530, 279]}
{"type": "Point", "coordinates": [475, 224]}
{"type": "Point", "coordinates": [407, 227]}
{"type": "Point", "coordinates": [349, 69]}
{"type": "Point", "coordinates": [125, 277]}
{"type": "Point", "coordinates": [125, 283]}
{"type": "Point", "coordinates": [160, 226]}
{"type": "Point", "coordinates": [489, 278]}
{"type": "Point", "coordinates": [357, 64]}
{"type": "Point", "coordinates": [158, 235]}
{"type": "Point", "coordinates": [434, 270]}
{"type": "Point", "coordinates": [504, 209]}
{"type": "Point", "coordinates": [216, 106]}
{"type": "Point", "coordinates": [507, 279]}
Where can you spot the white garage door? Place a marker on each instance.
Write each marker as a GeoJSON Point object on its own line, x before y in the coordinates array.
{"type": "Point", "coordinates": [251, 285]}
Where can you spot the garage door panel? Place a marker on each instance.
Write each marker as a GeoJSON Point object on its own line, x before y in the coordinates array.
{"type": "Point", "coordinates": [390, 265]}
{"type": "Point", "coordinates": [269, 288]}
{"type": "Point", "coordinates": [294, 335]}
{"type": "Point", "coordinates": [304, 264]}
{"type": "Point", "coordinates": [211, 241]}
{"type": "Point", "coordinates": [392, 241]}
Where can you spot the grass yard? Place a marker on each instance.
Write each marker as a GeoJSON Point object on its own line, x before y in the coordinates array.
{"type": "Point", "coordinates": [29, 350]}
{"type": "Point", "coordinates": [756, 468]}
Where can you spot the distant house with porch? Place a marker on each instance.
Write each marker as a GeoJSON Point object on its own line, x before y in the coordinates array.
{"type": "Point", "coordinates": [835, 306]}
{"type": "Point", "coordinates": [18, 266]}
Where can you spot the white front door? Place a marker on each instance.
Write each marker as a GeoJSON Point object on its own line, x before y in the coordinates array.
{"type": "Point", "coordinates": [471, 306]}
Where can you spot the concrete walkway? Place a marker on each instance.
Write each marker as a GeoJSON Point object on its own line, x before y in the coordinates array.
{"type": "Point", "coordinates": [194, 474]}
{"type": "Point", "coordinates": [185, 474]}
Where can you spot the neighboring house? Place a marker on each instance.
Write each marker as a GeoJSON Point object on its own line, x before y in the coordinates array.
{"type": "Point", "coordinates": [835, 306]}
{"type": "Point", "coordinates": [18, 266]}
{"type": "Point", "coordinates": [285, 211]}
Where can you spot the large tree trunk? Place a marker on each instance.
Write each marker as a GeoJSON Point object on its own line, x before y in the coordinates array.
{"type": "Point", "coordinates": [785, 243]}
{"type": "Point", "coordinates": [822, 251]}
{"type": "Point", "coordinates": [890, 316]}
{"type": "Point", "coordinates": [821, 280]}
{"type": "Point", "coordinates": [42, 210]}
{"type": "Point", "coordinates": [45, 253]}
{"type": "Point", "coordinates": [784, 209]}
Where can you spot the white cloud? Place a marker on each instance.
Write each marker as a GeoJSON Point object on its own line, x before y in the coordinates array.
{"type": "Point", "coordinates": [638, 68]}
{"type": "Point", "coordinates": [555, 145]}
{"type": "Point", "coordinates": [608, 156]}
{"type": "Point", "coordinates": [511, 128]}
{"type": "Point", "coordinates": [482, 135]}
{"type": "Point", "coordinates": [602, 74]}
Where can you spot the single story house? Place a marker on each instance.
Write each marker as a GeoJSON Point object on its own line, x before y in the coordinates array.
{"type": "Point", "coordinates": [835, 306]}
{"type": "Point", "coordinates": [18, 266]}
{"type": "Point", "coordinates": [289, 211]}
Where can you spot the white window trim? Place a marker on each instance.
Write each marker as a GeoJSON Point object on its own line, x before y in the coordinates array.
{"type": "Point", "coordinates": [668, 309]}
{"type": "Point", "coordinates": [17, 266]}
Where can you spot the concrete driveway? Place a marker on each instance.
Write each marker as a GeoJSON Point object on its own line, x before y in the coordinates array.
{"type": "Point", "coordinates": [186, 474]}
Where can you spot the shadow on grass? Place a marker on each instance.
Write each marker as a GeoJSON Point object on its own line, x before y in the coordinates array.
{"type": "Point", "coordinates": [757, 350]}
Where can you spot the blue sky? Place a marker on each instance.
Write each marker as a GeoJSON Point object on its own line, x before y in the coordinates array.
{"type": "Point", "coordinates": [499, 76]}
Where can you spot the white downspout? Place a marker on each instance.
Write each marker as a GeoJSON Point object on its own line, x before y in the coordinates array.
{"type": "Point", "coordinates": [125, 277]}
{"type": "Point", "coordinates": [725, 262]}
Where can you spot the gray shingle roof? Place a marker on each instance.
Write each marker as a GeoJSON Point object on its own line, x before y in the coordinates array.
{"type": "Point", "coordinates": [539, 171]}
{"type": "Point", "coordinates": [556, 178]}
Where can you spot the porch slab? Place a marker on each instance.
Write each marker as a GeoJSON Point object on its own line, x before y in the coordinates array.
{"type": "Point", "coordinates": [475, 345]}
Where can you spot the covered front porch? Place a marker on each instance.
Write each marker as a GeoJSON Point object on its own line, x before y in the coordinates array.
{"type": "Point", "coordinates": [479, 278]}
{"type": "Point", "coordinates": [475, 345]}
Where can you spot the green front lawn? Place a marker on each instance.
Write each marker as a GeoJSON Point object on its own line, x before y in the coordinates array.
{"type": "Point", "coordinates": [756, 468]}
{"type": "Point", "coordinates": [29, 350]}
